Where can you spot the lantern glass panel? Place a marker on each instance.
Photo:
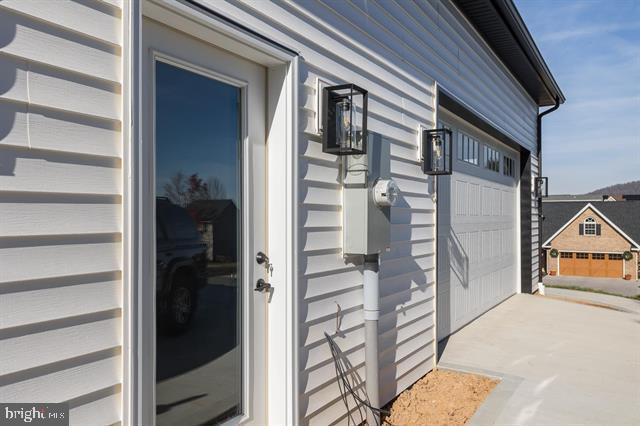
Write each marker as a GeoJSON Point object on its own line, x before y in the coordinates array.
{"type": "Point", "coordinates": [357, 122]}
{"type": "Point", "coordinates": [345, 120]}
{"type": "Point", "coordinates": [344, 134]}
{"type": "Point", "coordinates": [541, 187]}
{"type": "Point", "coordinates": [438, 157]}
{"type": "Point", "coordinates": [437, 151]}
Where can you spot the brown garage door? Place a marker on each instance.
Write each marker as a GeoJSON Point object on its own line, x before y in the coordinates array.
{"type": "Point", "coordinates": [591, 264]}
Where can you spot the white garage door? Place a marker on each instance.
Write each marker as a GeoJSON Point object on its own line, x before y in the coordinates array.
{"type": "Point", "coordinates": [477, 228]}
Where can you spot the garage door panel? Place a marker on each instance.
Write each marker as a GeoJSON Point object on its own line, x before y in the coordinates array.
{"type": "Point", "coordinates": [480, 255]}
{"type": "Point", "coordinates": [477, 217]}
{"type": "Point", "coordinates": [591, 265]}
{"type": "Point", "coordinates": [581, 267]}
{"type": "Point", "coordinates": [445, 320]}
{"type": "Point", "coordinates": [461, 301]}
{"type": "Point", "coordinates": [615, 268]}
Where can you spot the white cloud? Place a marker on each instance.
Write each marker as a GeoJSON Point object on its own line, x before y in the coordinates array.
{"type": "Point", "coordinates": [588, 31]}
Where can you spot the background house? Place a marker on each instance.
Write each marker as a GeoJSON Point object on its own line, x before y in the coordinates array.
{"type": "Point", "coordinates": [590, 239]}
{"type": "Point", "coordinates": [580, 198]}
{"type": "Point", "coordinates": [216, 221]}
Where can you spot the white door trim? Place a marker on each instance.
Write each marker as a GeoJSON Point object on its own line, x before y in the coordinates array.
{"type": "Point", "coordinates": [282, 137]}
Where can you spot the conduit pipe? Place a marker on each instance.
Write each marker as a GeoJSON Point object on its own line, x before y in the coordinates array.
{"type": "Point", "coordinates": [371, 317]}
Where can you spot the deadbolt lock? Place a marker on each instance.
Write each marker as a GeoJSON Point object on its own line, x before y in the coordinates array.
{"type": "Point", "coordinates": [263, 259]}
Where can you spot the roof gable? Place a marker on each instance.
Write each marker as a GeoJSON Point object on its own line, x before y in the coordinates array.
{"type": "Point", "coordinates": [630, 219]}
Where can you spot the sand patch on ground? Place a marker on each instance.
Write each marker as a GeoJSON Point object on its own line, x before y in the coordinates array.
{"type": "Point", "coordinates": [441, 397]}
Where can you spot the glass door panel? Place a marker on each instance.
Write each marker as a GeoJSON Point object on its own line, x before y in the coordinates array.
{"type": "Point", "coordinates": [198, 170]}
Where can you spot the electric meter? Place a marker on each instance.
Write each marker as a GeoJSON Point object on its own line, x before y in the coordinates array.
{"type": "Point", "coordinates": [385, 193]}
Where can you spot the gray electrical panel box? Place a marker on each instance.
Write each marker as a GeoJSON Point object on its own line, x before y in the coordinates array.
{"type": "Point", "coordinates": [367, 197]}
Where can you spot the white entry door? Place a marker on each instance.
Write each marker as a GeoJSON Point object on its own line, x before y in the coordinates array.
{"type": "Point", "coordinates": [204, 136]}
{"type": "Point", "coordinates": [478, 227]}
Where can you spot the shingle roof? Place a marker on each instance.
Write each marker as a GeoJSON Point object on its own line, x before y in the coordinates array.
{"type": "Point", "coordinates": [624, 214]}
{"type": "Point", "coordinates": [210, 209]}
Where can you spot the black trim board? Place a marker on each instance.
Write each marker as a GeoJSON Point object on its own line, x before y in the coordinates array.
{"type": "Point", "coordinates": [526, 242]}
{"type": "Point", "coordinates": [526, 253]}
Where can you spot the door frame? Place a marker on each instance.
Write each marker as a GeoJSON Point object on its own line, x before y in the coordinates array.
{"type": "Point", "coordinates": [282, 122]}
{"type": "Point", "coordinates": [246, 204]}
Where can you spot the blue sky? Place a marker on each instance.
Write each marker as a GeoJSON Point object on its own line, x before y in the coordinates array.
{"type": "Point", "coordinates": [202, 113]}
{"type": "Point", "coordinates": [593, 50]}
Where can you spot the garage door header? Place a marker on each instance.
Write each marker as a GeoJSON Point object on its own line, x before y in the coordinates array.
{"type": "Point", "coordinates": [447, 101]}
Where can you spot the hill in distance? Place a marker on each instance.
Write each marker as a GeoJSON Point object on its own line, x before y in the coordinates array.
{"type": "Point", "coordinates": [632, 187]}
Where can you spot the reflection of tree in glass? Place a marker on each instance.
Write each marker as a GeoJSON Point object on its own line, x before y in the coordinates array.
{"type": "Point", "coordinates": [182, 190]}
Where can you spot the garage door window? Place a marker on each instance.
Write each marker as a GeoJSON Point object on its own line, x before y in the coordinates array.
{"type": "Point", "coordinates": [615, 256]}
{"type": "Point", "coordinates": [597, 256]}
{"type": "Point", "coordinates": [582, 255]}
{"type": "Point", "coordinates": [508, 168]}
{"type": "Point", "coordinates": [491, 159]}
{"type": "Point", "coordinates": [468, 149]}
{"type": "Point", "coordinates": [566, 255]}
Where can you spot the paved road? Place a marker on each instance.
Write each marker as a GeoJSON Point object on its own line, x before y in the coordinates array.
{"type": "Point", "coordinates": [610, 285]}
{"type": "Point", "coordinates": [560, 362]}
{"type": "Point", "coordinates": [615, 302]}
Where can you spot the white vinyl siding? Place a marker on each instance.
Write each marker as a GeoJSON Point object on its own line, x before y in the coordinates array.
{"type": "Point", "coordinates": [396, 50]}
{"type": "Point", "coordinates": [61, 206]}
{"type": "Point", "coordinates": [61, 188]}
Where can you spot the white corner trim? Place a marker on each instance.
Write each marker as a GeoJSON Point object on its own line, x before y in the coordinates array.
{"type": "Point", "coordinates": [547, 243]}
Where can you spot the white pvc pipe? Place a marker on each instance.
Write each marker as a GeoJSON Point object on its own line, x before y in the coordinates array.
{"type": "Point", "coordinates": [371, 288]}
{"type": "Point", "coordinates": [371, 316]}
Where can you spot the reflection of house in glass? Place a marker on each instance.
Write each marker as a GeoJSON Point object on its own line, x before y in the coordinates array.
{"type": "Point", "coordinates": [217, 223]}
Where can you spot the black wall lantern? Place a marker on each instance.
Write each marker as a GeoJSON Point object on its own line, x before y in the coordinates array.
{"type": "Point", "coordinates": [541, 187]}
{"type": "Point", "coordinates": [344, 120]}
{"type": "Point", "coordinates": [436, 152]}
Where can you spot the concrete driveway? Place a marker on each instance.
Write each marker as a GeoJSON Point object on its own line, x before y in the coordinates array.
{"type": "Point", "coordinates": [561, 363]}
{"type": "Point", "coordinates": [610, 285]}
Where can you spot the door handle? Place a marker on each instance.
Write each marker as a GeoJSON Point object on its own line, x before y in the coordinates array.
{"type": "Point", "coordinates": [262, 285]}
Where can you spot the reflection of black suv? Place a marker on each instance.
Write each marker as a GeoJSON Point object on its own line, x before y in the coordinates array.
{"type": "Point", "coordinates": [181, 263]}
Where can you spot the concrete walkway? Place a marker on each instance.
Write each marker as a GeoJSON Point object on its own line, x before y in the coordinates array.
{"type": "Point", "coordinates": [561, 363]}
{"type": "Point", "coordinates": [610, 285]}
